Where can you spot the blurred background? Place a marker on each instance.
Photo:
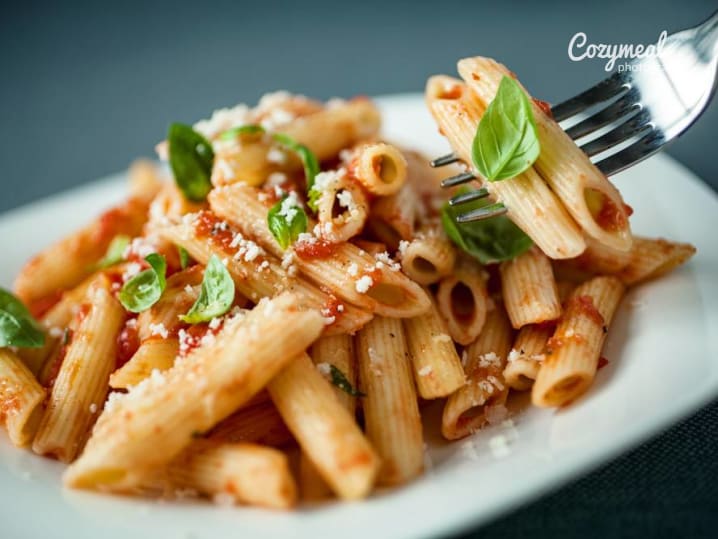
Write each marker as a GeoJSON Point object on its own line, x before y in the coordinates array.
{"type": "Point", "coordinates": [89, 86]}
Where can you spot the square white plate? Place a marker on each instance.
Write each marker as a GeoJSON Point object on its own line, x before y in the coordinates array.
{"type": "Point", "coordinates": [663, 353]}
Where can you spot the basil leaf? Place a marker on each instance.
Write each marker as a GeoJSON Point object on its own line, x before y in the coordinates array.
{"type": "Point", "coordinates": [146, 288]}
{"type": "Point", "coordinates": [115, 251]}
{"type": "Point", "coordinates": [506, 141]}
{"type": "Point", "coordinates": [183, 256]}
{"type": "Point", "coordinates": [286, 220]}
{"type": "Point", "coordinates": [17, 326]}
{"type": "Point", "coordinates": [215, 297]}
{"type": "Point", "coordinates": [250, 129]}
{"type": "Point", "coordinates": [309, 160]}
{"type": "Point", "coordinates": [339, 380]}
{"type": "Point", "coordinates": [191, 159]}
{"type": "Point", "coordinates": [489, 240]}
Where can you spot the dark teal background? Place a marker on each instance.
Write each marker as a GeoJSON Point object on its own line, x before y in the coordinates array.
{"type": "Point", "coordinates": [87, 87]}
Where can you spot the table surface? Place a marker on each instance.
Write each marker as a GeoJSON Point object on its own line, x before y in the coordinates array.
{"type": "Point", "coordinates": [88, 87]}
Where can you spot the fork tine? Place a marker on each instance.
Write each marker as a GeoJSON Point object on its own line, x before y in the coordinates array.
{"type": "Point", "coordinates": [602, 91]}
{"type": "Point", "coordinates": [649, 144]}
{"type": "Point", "coordinates": [635, 126]}
{"type": "Point", "coordinates": [445, 160]}
{"type": "Point", "coordinates": [612, 113]}
{"type": "Point", "coordinates": [468, 197]}
{"type": "Point", "coordinates": [458, 179]}
{"type": "Point", "coordinates": [479, 214]}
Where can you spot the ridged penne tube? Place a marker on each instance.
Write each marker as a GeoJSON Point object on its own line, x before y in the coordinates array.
{"type": "Point", "coordinates": [379, 167]}
{"type": "Point", "coordinates": [481, 400]}
{"type": "Point", "coordinates": [391, 411]}
{"type": "Point", "coordinates": [21, 398]}
{"type": "Point", "coordinates": [526, 356]}
{"type": "Point", "coordinates": [393, 217]}
{"type": "Point", "coordinates": [247, 160]}
{"type": "Point", "coordinates": [245, 473]}
{"type": "Point", "coordinates": [66, 263]}
{"type": "Point", "coordinates": [259, 424]}
{"type": "Point", "coordinates": [530, 202]}
{"type": "Point", "coordinates": [257, 274]}
{"type": "Point", "coordinates": [167, 410]}
{"type": "Point", "coordinates": [334, 128]}
{"type": "Point", "coordinates": [180, 294]}
{"type": "Point", "coordinates": [325, 430]}
{"type": "Point", "coordinates": [336, 351]}
{"type": "Point", "coordinates": [651, 258]}
{"type": "Point", "coordinates": [346, 270]}
{"type": "Point", "coordinates": [429, 256]}
{"type": "Point", "coordinates": [169, 203]}
{"type": "Point", "coordinates": [462, 301]}
{"type": "Point", "coordinates": [529, 289]}
{"type": "Point", "coordinates": [573, 351]}
{"type": "Point", "coordinates": [593, 201]}
{"type": "Point", "coordinates": [342, 209]}
{"type": "Point", "coordinates": [153, 354]}
{"type": "Point", "coordinates": [56, 320]}
{"type": "Point", "coordinates": [435, 363]}
{"type": "Point", "coordinates": [81, 384]}
{"type": "Point", "coordinates": [144, 179]}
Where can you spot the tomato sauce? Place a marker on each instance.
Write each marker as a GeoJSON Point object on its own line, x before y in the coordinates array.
{"type": "Point", "coordinates": [602, 362]}
{"type": "Point", "coordinates": [610, 217]}
{"type": "Point", "coordinates": [209, 226]}
{"type": "Point", "coordinates": [544, 106]}
{"type": "Point", "coordinates": [585, 306]}
{"type": "Point", "coordinates": [128, 341]}
{"type": "Point", "coordinates": [40, 306]}
{"type": "Point", "coordinates": [317, 248]}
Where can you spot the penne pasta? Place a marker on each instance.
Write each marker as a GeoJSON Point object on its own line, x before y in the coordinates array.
{"type": "Point", "coordinates": [240, 473]}
{"type": "Point", "coordinates": [391, 412]}
{"type": "Point", "coordinates": [257, 274]}
{"type": "Point", "coordinates": [325, 430]}
{"type": "Point", "coordinates": [248, 351]}
{"type": "Point", "coordinates": [526, 355]}
{"type": "Point", "coordinates": [463, 301]}
{"type": "Point", "coordinates": [651, 258]}
{"type": "Point", "coordinates": [593, 201]}
{"type": "Point", "coordinates": [81, 384]}
{"type": "Point", "coordinates": [574, 349]}
{"type": "Point", "coordinates": [349, 272]}
{"type": "Point", "coordinates": [342, 209]}
{"type": "Point", "coordinates": [21, 399]}
{"type": "Point", "coordinates": [153, 354]}
{"type": "Point", "coordinates": [530, 202]}
{"type": "Point", "coordinates": [435, 363]}
{"type": "Point", "coordinates": [258, 423]}
{"type": "Point", "coordinates": [393, 218]}
{"type": "Point", "coordinates": [482, 399]}
{"type": "Point", "coordinates": [529, 289]}
{"type": "Point", "coordinates": [429, 256]}
{"type": "Point", "coordinates": [380, 168]}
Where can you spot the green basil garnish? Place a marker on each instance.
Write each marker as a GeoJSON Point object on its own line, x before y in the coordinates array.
{"type": "Point", "coordinates": [146, 288]}
{"type": "Point", "coordinates": [339, 380]}
{"type": "Point", "coordinates": [17, 325]}
{"type": "Point", "coordinates": [506, 141]}
{"type": "Point", "coordinates": [191, 159]}
{"type": "Point", "coordinates": [183, 256]}
{"type": "Point", "coordinates": [215, 297]}
{"type": "Point", "coordinates": [489, 240]}
{"type": "Point", "coordinates": [286, 220]}
{"type": "Point", "coordinates": [115, 251]}
{"type": "Point", "coordinates": [250, 129]}
{"type": "Point", "coordinates": [309, 160]}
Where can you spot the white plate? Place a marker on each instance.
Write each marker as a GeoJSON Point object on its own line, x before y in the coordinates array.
{"type": "Point", "coordinates": [663, 365]}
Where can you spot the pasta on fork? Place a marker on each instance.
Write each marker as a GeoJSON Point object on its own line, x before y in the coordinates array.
{"type": "Point", "coordinates": [293, 285]}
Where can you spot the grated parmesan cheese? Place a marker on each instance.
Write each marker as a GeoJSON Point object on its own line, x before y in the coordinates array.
{"type": "Point", "coordinates": [159, 329]}
{"type": "Point", "coordinates": [363, 284]}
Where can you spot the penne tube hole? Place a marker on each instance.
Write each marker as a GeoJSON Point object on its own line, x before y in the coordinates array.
{"type": "Point", "coordinates": [385, 168]}
{"type": "Point", "coordinates": [422, 265]}
{"type": "Point", "coordinates": [607, 215]}
{"type": "Point", "coordinates": [101, 476]}
{"type": "Point", "coordinates": [565, 389]}
{"type": "Point", "coordinates": [444, 90]}
{"type": "Point", "coordinates": [463, 304]}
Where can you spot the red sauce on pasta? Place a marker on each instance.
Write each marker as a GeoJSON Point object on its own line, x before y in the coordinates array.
{"type": "Point", "coordinates": [602, 362]}
{"type": "Point", "coordinates": [610, 217]}
{"type": "Point", "coordinates": [544, 106]}
{"type": "Point", "coordinates": [332, 308]}
{"type": "Point", "coordinates": [208, 225]}
{"type": "Point", "coordinates": [585, 306]}
{"type": "Point", "coordinates": [128, 341]}
{"type": "Point", "coordinates": [316, 248]}
{"type": "Point", "coordinates": [40, 306]}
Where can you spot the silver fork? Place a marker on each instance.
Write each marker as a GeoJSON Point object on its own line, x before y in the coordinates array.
{"type": "Point", "coordinates": [630, 115]}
